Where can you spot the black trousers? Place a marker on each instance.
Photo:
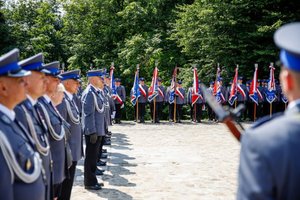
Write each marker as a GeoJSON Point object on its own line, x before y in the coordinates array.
{"type": "Point", "coordinates": [171, 111]}
{"type": "Point", "coordinates": [68, 183]}
{"type": "Point", "coordinates": [142, 111]}
{"type": "Point", "coordinates": [210, 112]}
{"type": "Point", "coordinates": [196, 112]}
{"type": "Point", "coordinates": [179, 112]}
{"type": "Point", "coordinates": [90, 161]}
{"type": "Point", "coordinates": [118, 115]}
{"type": "Point", "coordinates": [158, 110]}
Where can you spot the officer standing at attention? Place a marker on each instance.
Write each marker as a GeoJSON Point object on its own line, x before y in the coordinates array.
{"type": "Point", "coordinates": [196, 109]}
{"type": "Point", "coordinates": [180, 101]}
{"type": "Point", "coordinates": [28, 115]}
{"type": "Point", "coordinates": [269, 162]}
{"type": "Point", "coordinates": [70, 112]}
{"type": "Point", "coordinates": [93, 121]}
{"type": "Point", "coordinates": [120, 89]}
{"type": "Point", "coordinates": [143, 99]}
{"type": "Point", "coordinates": [20, 165]}
{"type": "Point", "coordinates": [55, 126]}
{"type": "Point", "coordinates": [159, 100]}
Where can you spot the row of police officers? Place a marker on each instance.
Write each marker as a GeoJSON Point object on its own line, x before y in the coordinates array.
{"type": "Point", "coordinates": [42, 120]}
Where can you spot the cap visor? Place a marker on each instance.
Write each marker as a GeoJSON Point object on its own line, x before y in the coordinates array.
{"type": "Point", "coordinates": [20, 73]}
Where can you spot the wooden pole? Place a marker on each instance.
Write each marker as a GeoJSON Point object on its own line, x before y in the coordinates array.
{"type": "Point", "coordinates": [270, 109]}
{"type": "Point", "coordinates": [254, 112]}
{"type": "Point", "coordinates": [175, 109]}
{"type": "Point", "coordinates": [235, 102]}
{"type": "Point", "coordinates": [137, 110]}
{"type": "Point", "coordinates": [195, 112]}
{"type": "Point", "coordinates": [154, 108]}
{"type": "Point", "coordinates": [284, 106]}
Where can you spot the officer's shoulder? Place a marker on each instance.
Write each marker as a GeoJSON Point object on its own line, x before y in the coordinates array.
{"type": "Point", "coordinates": [266, 119]}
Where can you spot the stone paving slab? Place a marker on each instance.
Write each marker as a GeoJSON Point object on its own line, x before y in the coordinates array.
{"type": "Point", "coordinates": [167, 161]}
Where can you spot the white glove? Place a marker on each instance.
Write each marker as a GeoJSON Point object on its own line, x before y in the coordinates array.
{"type": "Point", "coordinates": [122, 106]}
{"type": "Point", "coordinates": [113, 115]}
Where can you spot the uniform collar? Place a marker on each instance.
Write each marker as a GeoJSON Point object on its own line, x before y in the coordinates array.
{"type": "Point", "coordinates": [97, 89]}
{"type": "Point", "coordinates": [9, 113]}
{"type": "Point", "coordinates": [32, 101]}
{"type": "Point", "coordinates": [70, 96]}
{"type": "Point", "coordinates": [293, 104]}
{"type": "Point", "coordinates": [47, 98]}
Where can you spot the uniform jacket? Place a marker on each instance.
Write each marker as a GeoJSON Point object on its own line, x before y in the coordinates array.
{"type": "Point", "coordinates": [41, 133]}
{"type": "Point", "coordinates": [122, 93]}
{"type": "Point", "coordinates": [75, 139]}
{"type": "Point", "coordinates": [93, 121]}
{"type": "Point", "coordinates": [23, 149]}
{"type": "Point", "coordinates": [269, 162]}
{"type": "Point", "coordinates": [56, 146]}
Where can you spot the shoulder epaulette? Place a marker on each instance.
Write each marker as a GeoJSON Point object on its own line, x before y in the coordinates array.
{"type": "Point", "coordinates": [265, 119]}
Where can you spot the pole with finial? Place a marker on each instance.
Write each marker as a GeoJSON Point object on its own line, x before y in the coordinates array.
{"type": "Point", "coordinates": [175, 80]}
{"type": "Point", "coordinates": [154, 100]}
{"type": "Point", "coordinates": [195, 104]}
{"type": "Point", "coordinates": [235, 102]}
{"type": "Point", "coordinates": [271, 66]}
{"type": "Point", "coordinates": [254, 109]}
{"type": "Point", "coordinates": [137, 98]}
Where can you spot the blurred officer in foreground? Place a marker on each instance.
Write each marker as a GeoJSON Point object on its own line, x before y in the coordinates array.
{"type": "Point", "coordinates": [269, 162]}
{"type": "Point", "coordinates": [28, 115]}
{"type": "Point", "coordinates": [47, 108]}
{"type": "Point", "coordinates": [93, 122]}
{"type": "Point", "coordinates": [20, 165]}
{"type": "Point", "coordinates": [70, 112]}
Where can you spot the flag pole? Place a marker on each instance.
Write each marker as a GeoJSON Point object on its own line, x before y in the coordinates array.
{"type": "Point", "coordinates": [175, 95]}
{"type": "Point", "coordinates": [154, 100]}
{"type": "Point", "coordinates": [137, 99]}
{"type": "Point", "coordinates": [254, 112]}
{"type": "Point", "coordinates": [271, 109]}
{"type": "Point", "coordinates": [284, 106]}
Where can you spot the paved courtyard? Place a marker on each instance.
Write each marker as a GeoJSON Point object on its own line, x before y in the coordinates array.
{"type": "Point", "coordinates": [167, 161]}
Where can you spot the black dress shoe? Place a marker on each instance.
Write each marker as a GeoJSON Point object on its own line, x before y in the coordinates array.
{"type": "Point", "coordinates": [104, 150]}
{"type": "Point", "coordinates": [98, 172]}
{"type": "Point", "coordinates": [101, 163]}
{"type": "Point", "coordinates": [101, 184]}
{"type": "Point", "coordinates": [103, 156]}
{"type": "Point", "coordinates": [93, 187]}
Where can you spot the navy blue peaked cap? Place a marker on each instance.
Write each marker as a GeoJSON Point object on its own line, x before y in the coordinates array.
{"type": "Point", "coordinates": [142, 79]}
{"type": "Point", "coordinates": [73, 74]}
{"type": "Point", "coordinates": [9, 65]}
{"type": "Point", "coordinates": [117, 80]}
{"type": "Point", "coordinates": [287, 38]}
{"type": "Point", "coordinates": [34, 63]}
{"type": "Point", "coordinates": [53, 69]}
{"type": "Point", "coordinates": [91, 73]}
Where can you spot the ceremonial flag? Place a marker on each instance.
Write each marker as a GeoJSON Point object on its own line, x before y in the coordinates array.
{"type": "Point", "coordinates": [254, 93]}
{"type": "Point", "coordinates": [173, 86]}
{"type": "Point", "coordinates": [153, 90]}
{"type": "Point", "coordinates": [233, 89]}
{"type": "Point", "coordinates": [113, 88]}
{"type": "Point", "coordinates": [217, 87]}
{"type": "Point", "coordinates": [135, 89]}
{"type": "Point", "coordinates": [270, 94]}
{"type": "Point", "coordinates": [196, 91]}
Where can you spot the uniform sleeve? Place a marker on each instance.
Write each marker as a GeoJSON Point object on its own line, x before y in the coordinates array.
{"type": "Point", "coordinates": [123, 94]}
{"type": "Point", "coordinates": [20, 116]}
{"type": "Point", "coordinates": [89, 114]}
{"type": "Point", "coordinates": [255, 179]}
{"type": "Point", "coordinates": [6, 188]}
{"type": "Point", "coordinates": [62, 109]}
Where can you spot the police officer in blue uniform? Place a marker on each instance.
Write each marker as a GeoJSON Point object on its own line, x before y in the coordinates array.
{"type": "Point", "coordinates": [70, 112]}
{"type": "Point", "coordinates": [196, 108]}
{"type": "Point", "coordinates": [269, 162]}
{"type": "Point", "coordinates": [143, 99]}
{"type": "Point", "coordinates": [180, 101]}
{"type": "Point", "coordinates": [93, 122]}
{"type": "Point", "coordinates": [55, 126]}
{"type": "Point", "coordinates": [28, 115]}
{"type": "Point", "coordinates": [120, 89]}
{"type": "Point", "coordinates": [20, 166]}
